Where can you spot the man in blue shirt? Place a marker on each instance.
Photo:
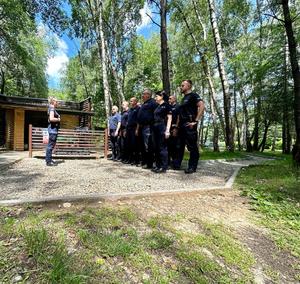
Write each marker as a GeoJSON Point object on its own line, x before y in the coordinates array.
{"type": "Point", "coordinates": [53, 126]}
{"type": "Point", "coordinates": [114, 124]}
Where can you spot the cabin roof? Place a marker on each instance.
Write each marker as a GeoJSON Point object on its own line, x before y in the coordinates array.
{"type": "Point", "coordinates": [42, 104]}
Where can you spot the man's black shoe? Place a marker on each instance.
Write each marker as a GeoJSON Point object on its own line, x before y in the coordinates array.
{"type": "Point", "coordinates": [51, 164]}
{"type": "Point", "coordinates": [189, 171]}
{"type": "Point", "coordinates": [154, 169]}
{"type": "Point", "coordinates": [146, 167]}
{"type": "Point", "coordinates": [176, 168]}
{"type": "Point", "coordinates": [160, 171]}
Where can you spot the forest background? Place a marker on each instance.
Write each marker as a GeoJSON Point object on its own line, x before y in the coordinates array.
{"type": "Point", "coordinates": [243, 57]}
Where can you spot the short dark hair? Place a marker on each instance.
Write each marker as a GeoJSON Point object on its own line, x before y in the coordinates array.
{"type": "Point", "coordinates": [189, 81]}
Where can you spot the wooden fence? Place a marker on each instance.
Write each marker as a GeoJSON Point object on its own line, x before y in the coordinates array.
{"type": "Point", "coordinates": [70, 143]}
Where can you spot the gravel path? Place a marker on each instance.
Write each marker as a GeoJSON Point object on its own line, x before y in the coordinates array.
{"type": "Point", "coordinates": [31, 179]}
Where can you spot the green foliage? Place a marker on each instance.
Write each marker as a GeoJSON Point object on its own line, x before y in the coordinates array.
{"type": "Point", "coordinates": [143, 71]}
{"type": "Point", "coordinates": [274, 192]}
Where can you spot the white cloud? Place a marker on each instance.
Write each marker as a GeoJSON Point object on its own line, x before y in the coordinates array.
{"type": "Point", "coordinates": [58, 61]}
{"type": "Point", "coordinates": [145, 19]}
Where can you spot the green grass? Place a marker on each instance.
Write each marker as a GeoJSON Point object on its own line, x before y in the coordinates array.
{"type": "Point", "coordinates": [111, 243]}
{"type": "Point", "coordinates": [274, 192]}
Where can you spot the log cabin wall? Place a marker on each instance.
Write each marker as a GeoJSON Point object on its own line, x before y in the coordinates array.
{"type": "Point", "coordinates": [19, 123]}
{"type": "Point", "coordinates": [69, 121]}
{"type": "Point", "coordinates": [9, 129]}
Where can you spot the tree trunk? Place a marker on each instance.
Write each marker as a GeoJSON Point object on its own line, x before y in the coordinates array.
{"type": "Point", "coordinates": [274, 139]}
{"type": "Point", "coordinates": [215, 127]}
{"type": "Point", "coordinates": [286, 143]}
{"type": "Point", "coordinates": [164, 46]}
{"type": "Point", "coordinates": [259, 92]}
{"type": "Point", "coordinates": [96, 12]}
{"type": "Point", "coordinates": [296, 76]}
{"type": "Point", "coordinates": [225, 86]}
{"type": "Point", "coordinates": [2, 88]}
{"type": "Point", "coordinates": [235, 115]}
{"type": "Point", "coordinates": [262, 145]}
{"type": "Point", "coordinates": [121, 97]}
{"type": "Point", "coordinates": [246, 115]}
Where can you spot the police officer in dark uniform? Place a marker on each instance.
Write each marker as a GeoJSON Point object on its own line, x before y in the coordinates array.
{"type": "Point", "coordinates": [173, 141]}
{"type": "Point", "coordinates": [145, 119]}
{"type": "Point", "coordinates": [123, 140]}
{"type": "Point", "coordinates": [133, 147]}
{"type": "Point", "coordinates": [161, 132]}
{"type": "Point", "coordinates": [190, 112]}
{"type": "Point", "coordinates": [53, 126]}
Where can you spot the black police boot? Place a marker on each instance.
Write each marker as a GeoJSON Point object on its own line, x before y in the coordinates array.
{"type": "Point", "coordinates": [160, 171]}
{"type": "Point", "coordinates": [189, 171]}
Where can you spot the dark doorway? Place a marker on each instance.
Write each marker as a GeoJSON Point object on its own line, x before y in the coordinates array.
{"type": "Point", "coordinates": [37, 119]}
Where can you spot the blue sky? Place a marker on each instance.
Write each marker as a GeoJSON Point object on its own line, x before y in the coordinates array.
{"type": "Point", "coordinates": [67, 48]}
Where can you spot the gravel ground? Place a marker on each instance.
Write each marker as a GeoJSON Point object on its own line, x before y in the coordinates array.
{"type": "Point", "coordinates": [31, 179]}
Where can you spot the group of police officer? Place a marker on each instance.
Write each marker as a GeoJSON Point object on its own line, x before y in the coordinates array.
{"type": "Point", "coordinates": [156, 131]}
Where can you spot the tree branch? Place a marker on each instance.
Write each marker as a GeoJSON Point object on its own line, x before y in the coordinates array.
{"type": "Point", "coordinates": [153, 20]}
{"type": "Point", "coordinates": [275, 17]}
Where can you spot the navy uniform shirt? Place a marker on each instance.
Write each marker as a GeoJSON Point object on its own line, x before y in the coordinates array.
{"type": "Point", "coordinates": [174, 109]}
{"type": "Point", "coordinates": [124, 119]}
{"type": "Point", "coordinates": [146, 113]}
{"type": "Point", "coordinates": [113, 121]}
{"type": "Point", "coordinates": [53, 126]}
{"type": "Point", "coordinates": [188, 109]}
{"type": "Point", "coordinates": [161, 112]}
{"type": "Point", "coordinates": [132, 117]}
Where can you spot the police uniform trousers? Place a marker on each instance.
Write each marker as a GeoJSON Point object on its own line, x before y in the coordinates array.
{"type": "Point", "coordinates": [173, 148]}
{"type": "Point", "coordinates": [188, 137]}
{"type": "Point", "coordinates": [133, 145]}
{"type": "Point", "coordinates": [123, 145]}
{"type": "Point", "coordinates": [160, 145]}
{"type": "Point", "coordinates": [147, 145]}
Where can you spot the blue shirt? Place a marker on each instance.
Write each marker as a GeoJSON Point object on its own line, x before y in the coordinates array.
{"type": "Point", "coordinates": [113, 121]}
{"type": "Point", "coordinates": [146, 113]}
{"type": "Point", "coordinates": [124, 119]}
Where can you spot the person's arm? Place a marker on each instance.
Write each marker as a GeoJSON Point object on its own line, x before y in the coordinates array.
{"type": "Point", "coordinates": [200, 111]}
{"type": "Point", "coordinates": [137, 130]}
{"type": "Point", "coordinates": [169, 121]}
{"type": "Point", "coordinates": [118, 128]}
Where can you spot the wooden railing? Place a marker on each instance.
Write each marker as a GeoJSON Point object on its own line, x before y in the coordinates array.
{"type": "Point", "coordinates": [70, 143]}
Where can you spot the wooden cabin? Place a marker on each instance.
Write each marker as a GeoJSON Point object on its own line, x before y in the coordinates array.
{"type": "Point", "coordinates": [17, 113]}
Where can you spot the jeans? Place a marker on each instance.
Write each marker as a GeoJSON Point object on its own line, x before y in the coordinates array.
{"type": "Point", "coordinates": [50, 147]}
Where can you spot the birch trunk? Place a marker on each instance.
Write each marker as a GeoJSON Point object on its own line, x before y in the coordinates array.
{"type": "Point", "coordinates": [223, 76]}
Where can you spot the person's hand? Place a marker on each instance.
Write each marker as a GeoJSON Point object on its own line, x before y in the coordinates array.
{"type": "Point", "coordinates": [136, 132]}
{"type": "Point", "coordinates": [124, 133]}
{"type": "Point", "coordinates": [191, 124]}
{"type": "Point", "coordinates": [167, 134]}
{"type": "Point", "coordinates": [116, 133]}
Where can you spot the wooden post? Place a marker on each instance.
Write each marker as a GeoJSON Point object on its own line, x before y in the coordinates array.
{"type": "Point", "coordinates": [105, 143]}
{"type": "Point", "coordinates": [30, 140]}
